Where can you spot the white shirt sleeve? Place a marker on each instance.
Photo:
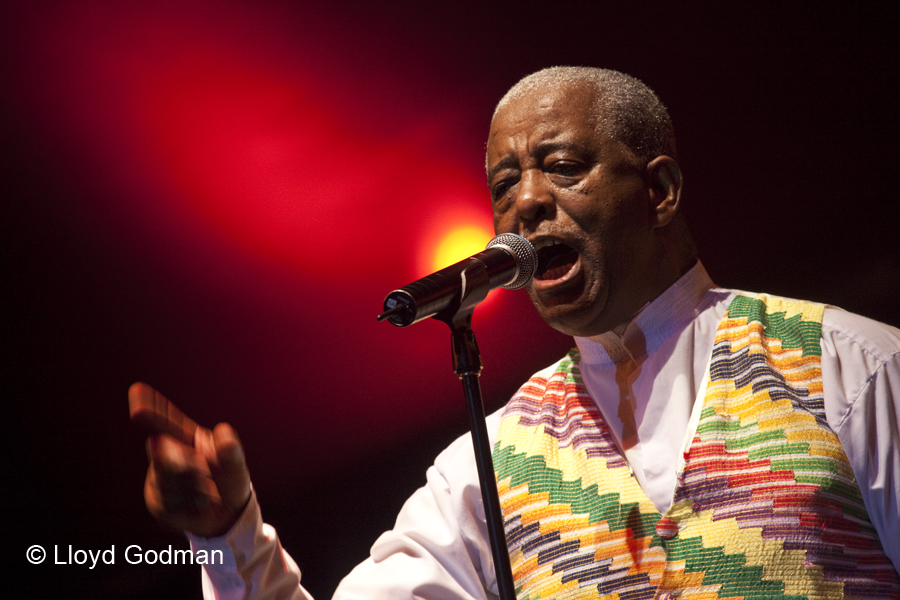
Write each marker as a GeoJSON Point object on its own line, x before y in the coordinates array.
{"type": "Point", "coordinates": [861, 379]}
{"type": "Point", "coordinates": [438, 547]}
{"type": "Point", "coordinates": [248, 562]}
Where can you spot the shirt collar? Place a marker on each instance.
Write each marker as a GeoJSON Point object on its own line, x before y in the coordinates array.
{"type": "Point", "coordinates": [667, 314]}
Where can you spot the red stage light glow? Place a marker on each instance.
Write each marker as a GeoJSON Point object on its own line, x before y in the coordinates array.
{"type": "Point", "coordinates": [216, 112]}
{"type": "Point", "coordinates": [452, 244]}
{"type": "Point", "coordinates": [277, 176]}
{"type": "Point", "coordinates": [459, 243]}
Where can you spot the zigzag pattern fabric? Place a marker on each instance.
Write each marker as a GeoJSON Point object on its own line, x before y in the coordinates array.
{"type": "Point", "coordinates": [766, 505]}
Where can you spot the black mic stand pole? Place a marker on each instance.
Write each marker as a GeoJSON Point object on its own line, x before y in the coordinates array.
{"type": "Point", "coordinates": [467, 366]}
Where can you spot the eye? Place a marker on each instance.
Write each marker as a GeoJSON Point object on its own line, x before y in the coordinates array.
{"type": "Point", "coordinates": [499, 189]}
{"type": "Point", "coordinates": [565, 168]}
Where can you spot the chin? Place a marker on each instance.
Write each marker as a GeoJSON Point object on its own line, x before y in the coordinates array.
{"type": "Point", "coordinates": [579, 314]}
{"type": "Point", "coordinates": [570, 319]}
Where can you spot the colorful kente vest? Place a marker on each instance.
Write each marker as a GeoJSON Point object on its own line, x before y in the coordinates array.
{"type": "Point", "coordinates": [766, 505]}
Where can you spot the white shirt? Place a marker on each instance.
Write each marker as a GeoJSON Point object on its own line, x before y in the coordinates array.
{"type": "Point", "coordinates": [439, 545]}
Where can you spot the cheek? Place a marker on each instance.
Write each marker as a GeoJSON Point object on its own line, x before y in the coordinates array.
{"type": "Point", "coordinates": [606, 212]}
{"type": "Point", "coordinates": [504, 221]}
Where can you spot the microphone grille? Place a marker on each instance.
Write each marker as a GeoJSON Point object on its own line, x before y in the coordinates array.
{"type": "Point", "coordinates": [526, 259]}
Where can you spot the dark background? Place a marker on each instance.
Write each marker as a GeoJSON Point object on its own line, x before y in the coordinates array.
{"type": "Point", "coordinates": [126, 257]}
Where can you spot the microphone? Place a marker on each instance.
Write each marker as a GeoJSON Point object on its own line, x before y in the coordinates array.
{"type": "Point", "coordinates": [508, 261]}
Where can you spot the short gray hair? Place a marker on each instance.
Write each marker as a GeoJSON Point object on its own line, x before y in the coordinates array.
{"type": "Point", "coordinates": [624, 108]}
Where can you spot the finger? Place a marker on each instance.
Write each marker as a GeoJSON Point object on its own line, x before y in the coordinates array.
{"type": "Point", "coordinates": [181, 501]}
{"type": "Point", "coordinates": [199, 511]}
{"type": "Point", "coordinates": [153, 411]}
{"type": "Point", "coordinates": [229, 470]}
{"type": "Point", "coordinates": [171, 456]}
{"type": "Point", "coordinates": [180, 475]}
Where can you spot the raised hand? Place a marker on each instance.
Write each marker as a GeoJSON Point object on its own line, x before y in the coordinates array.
{"type": "Point", "coordinates": [197, 480]}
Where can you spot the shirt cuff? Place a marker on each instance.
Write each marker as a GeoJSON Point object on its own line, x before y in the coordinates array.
{"type": "Point", "coordinates": [248, 560]}
{"type": "Point", "coordinates": [225, 554]}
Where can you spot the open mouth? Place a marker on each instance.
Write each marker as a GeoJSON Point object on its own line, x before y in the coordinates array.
{"type": "Point", "coordinates": [555, 260]}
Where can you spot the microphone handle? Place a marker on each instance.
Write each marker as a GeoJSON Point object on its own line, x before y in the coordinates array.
{"type": "Point", "coordinates": [432, 294]}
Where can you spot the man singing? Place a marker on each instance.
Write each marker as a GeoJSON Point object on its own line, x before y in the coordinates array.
{"type": "Point", "coordinates": [699, 442]}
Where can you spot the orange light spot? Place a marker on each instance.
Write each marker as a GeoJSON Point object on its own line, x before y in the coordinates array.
{"type": "Point", "coordinates": [458, 244]}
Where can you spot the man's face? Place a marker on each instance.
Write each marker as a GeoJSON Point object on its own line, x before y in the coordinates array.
{"type": "Point", "coordinates": [581, 199]}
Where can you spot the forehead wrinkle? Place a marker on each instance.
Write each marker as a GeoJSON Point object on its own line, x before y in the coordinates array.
{"type": "Point", "coordinates": [555, 115]}
{"type": "Point", "coordinates": [540, 150]}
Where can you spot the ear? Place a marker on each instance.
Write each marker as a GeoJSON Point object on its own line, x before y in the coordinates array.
{"type": "Point", "coordinates": [664, 186]}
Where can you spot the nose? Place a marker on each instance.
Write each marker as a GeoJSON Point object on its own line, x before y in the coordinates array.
{"type": "Point", "coordinates": [534, 199]}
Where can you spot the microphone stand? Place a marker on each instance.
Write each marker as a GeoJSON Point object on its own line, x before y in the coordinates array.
{"type": "Point", "coordinates": [467, 366]}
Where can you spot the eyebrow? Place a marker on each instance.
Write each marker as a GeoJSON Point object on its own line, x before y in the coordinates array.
{"type": "Point", "coordinates": [541, 150]}
{"type": "Point", "coordinates": [507, 162]}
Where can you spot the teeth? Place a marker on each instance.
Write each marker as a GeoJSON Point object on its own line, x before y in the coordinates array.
{"type": "Point", "coordinates": [546, 242]}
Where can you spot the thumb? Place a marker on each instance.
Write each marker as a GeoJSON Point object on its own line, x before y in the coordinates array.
{"type": "Point", "coordinates": [229, 469]}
